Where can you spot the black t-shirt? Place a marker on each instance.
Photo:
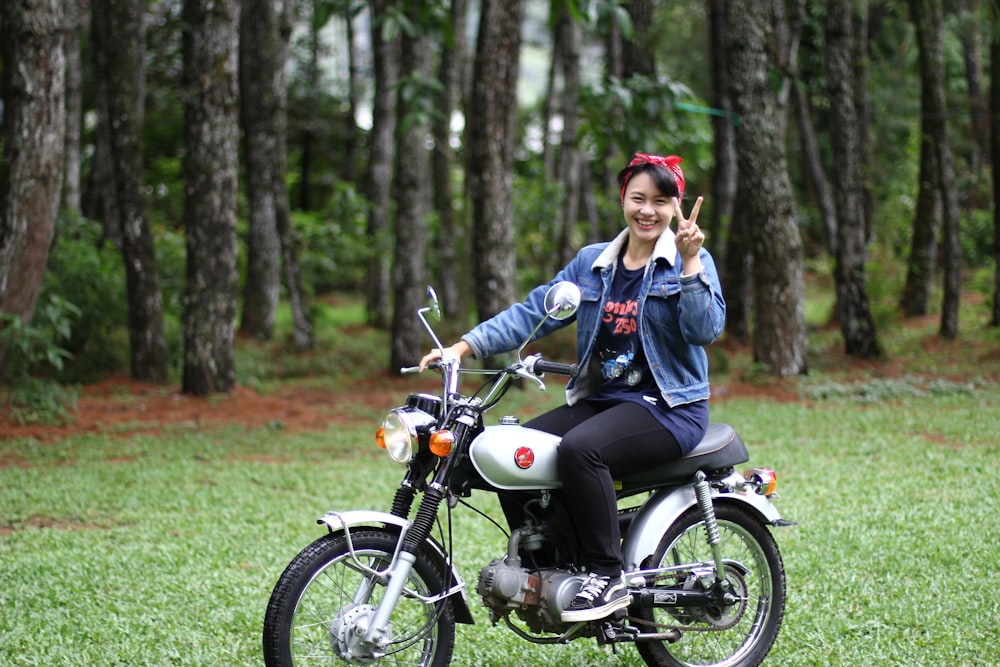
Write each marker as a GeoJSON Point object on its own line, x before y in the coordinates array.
{"type": "Point", "coordinates": [626, 372]}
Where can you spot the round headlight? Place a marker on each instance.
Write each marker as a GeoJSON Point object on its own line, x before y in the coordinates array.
{"type": "Point", "coordinates": [399, 436]}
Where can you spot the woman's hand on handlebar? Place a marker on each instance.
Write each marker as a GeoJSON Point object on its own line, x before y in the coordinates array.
{"type": "Point", "coordinates": [458, 350]}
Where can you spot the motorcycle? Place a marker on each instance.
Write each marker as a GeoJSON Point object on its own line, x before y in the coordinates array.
{"type": "Point", "coordinates": [703, 571]}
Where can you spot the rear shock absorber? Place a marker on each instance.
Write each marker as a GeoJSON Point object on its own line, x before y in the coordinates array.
{"type": "Point", "coordinates": [703, 493]}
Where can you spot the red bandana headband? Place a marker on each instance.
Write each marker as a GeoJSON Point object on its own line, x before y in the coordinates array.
{"type": "Point", "coordinates": [671, 163]}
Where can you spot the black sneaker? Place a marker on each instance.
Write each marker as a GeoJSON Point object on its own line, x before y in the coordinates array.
{"type": "Point", "coordinates": [598, 597]}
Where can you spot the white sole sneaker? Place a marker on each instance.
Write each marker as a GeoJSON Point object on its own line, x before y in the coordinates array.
{"type": "Point", "coordinates": [602, 611]}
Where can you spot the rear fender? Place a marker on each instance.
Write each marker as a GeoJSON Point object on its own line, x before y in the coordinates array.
{"type": "Point", "coordinates": [344, 522]}
{"type": "Point", "coordinates": [667, 505]}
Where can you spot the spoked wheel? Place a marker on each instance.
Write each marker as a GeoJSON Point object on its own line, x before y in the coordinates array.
{"type": "Point", "coordinates": [737, 634]}
{"type": "Point", "coordinates": [326, 598]}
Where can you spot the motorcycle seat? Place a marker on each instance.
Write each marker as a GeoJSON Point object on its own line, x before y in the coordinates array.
{"type": "Point", "coordinates": [721, 448]}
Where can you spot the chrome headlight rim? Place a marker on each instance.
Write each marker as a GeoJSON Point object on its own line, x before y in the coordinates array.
{"type": "Point", "coordinates": [401, 429]}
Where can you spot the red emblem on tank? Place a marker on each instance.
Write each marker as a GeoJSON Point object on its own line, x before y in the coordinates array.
{"type": "Point", "coordinates": [524, 458]}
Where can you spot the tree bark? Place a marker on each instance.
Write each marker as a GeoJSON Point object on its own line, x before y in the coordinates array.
{"type": "Point", "coordinates": [451, 242]}
{"type": "Point", "coordinates": [779, 289]}
{"type": "Point", "coordinates": [34, 126]}
{"type": "Point", "coordinates": [568, 170]}
{"type": "Point", "coordinates": [637, 53]}
{"type": "Point", "coordinates": [210, 177]}
{"type": "Point", "coordinates": [968, 33]}
{"type": "Point", "coordinates": [927, 16]}
{"type": "Point", "coordinates": [385, 52]}
{"type": "Point", "coordinates": [922, 262]}
{"type": "Point", "coordinates": [724, 130]}
{"type": "Point", "coordinates": [725, 224]}
{"type": "Point", "coordinates": [263, 52]}
{"type": "Point", "coordinates": [413, 201]}
{"type": "Point", "coordinates": [74, 106]}
{"type": "Point", "coordinates": [119, 52]}
{"type": "Point", "coordinates": [856, 322]}
{"type": "Point", "coordinates": [490, 157]}
{"type": "Point", "coordinates": [995, 151]}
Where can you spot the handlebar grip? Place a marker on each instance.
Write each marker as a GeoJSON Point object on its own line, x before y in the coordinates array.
{"type": "Point", "coordinates": [556, 368]}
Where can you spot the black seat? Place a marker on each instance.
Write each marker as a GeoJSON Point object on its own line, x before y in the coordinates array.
{"type": "Point", "coordinates": [721, 448]}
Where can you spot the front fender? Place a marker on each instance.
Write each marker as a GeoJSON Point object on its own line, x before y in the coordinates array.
{"type": "Point", "coordinates": [337, 522]}
{"type": "Point", "coordinates": [666, 506]}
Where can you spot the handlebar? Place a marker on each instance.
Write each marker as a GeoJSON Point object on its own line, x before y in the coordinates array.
{"type": "Point", "coordinates": [539, 366]}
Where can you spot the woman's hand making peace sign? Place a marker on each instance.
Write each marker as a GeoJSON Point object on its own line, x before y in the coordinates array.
{"type": "Point", "coordinates": [689, 237]}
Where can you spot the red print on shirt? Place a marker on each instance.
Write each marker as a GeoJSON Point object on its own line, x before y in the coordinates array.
{"type": "Point", "coordinates": [623, 315]}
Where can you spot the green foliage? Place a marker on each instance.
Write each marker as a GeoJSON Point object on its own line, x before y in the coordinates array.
{"type": "Point", "coordinates": [534, 207]}
{"type": "Point", "coordinates": [36, 348]}
{"type": "Point", "coordinates": [34, 345]}
{"type": "Point", "coordinates": [644, 114]}
{"type": "Point", "coordinates": [333, 244]}
{"type": "Point", "coordinates": [87, 271]}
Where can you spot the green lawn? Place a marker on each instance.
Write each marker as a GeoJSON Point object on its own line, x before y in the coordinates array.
{"type": "Point", "coordinates": [163, 550]}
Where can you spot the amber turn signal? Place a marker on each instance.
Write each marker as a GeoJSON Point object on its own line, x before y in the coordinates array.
{"type": "Point", "coordinates": [442, 442]}
{"type": "Point", "coordinates": [380, 437]}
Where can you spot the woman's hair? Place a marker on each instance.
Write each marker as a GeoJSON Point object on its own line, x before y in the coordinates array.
{"type": "Point", "coordinates": [665, 172]}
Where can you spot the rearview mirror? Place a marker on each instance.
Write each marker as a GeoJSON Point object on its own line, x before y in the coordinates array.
{"type": "Point", "coordinates": [433, 305]}
{"type": "Point", "coordinates": [562, 300]}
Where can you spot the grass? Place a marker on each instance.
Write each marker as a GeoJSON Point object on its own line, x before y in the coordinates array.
{"type": "Point", "coordinates": [162, 550]}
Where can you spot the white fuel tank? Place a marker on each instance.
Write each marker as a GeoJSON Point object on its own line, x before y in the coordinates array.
{"type": "Point", "coordinates": [515, 457]}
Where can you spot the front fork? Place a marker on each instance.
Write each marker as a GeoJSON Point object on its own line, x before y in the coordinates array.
{"type": "Point", "coordinates": [402, 563]}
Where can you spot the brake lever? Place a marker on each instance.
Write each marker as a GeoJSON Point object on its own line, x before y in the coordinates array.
{"type": "Point", "coordinates": [522, 372]}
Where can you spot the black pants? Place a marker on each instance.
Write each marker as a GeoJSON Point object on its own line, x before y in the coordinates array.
{"type": "Point", "coordinates": [600, 443]}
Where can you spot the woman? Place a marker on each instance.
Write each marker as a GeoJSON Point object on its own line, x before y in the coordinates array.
{"type": "Point", "coordinates": [650, 300]}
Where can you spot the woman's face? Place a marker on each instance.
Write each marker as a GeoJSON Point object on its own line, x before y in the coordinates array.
{"type": "Point", "coordinates": [648, 212]}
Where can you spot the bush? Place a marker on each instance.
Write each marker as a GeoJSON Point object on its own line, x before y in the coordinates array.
{"type": "Point", "coordinates": [334, 247]}
{"type": "Point", "coordinates": [86, 270]}
{"type": "Point", "coordinates": [36, 349]}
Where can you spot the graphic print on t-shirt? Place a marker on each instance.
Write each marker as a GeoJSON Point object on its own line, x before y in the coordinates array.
{"type": "Point", "coordinates": [620, 326]}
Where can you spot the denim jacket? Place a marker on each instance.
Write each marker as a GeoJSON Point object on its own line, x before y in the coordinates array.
{"type": "Point", "coordinates": [677, 317]}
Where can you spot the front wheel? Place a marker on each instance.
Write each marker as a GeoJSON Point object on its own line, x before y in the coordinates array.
{"type": "Point", "coordinates": [734, 635]}
{"type": "Point", "coordinates": [326, 598]}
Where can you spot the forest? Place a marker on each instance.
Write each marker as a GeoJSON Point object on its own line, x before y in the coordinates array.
{"type": "Point", "coordinates": [175, 173]}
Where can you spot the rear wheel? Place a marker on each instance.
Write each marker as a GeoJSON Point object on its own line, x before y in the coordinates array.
{"type": "Point", "coordinates": [326, 599]}
{"type": "Point", "coordinates": [732, 635]}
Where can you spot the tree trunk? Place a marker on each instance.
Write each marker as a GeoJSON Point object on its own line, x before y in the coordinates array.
{"type": "Point", "coordinates": [637, 53]}
{"type": "Point", "coordinates": [381, 159]}
{"type": "Point", "coordinates": [920, 266]}
{"type": "Point", "coordinates": [995, 150]}
{"type": "Point", "coordinates": [353, 142]}
{"type": "Point", "coordinates": [119, 52]}
{"type": "Point", "coordinates": [778, 283]}
{"type": "Point", "coordinates": [856, 322]}
{"type": "Point", "coordinates": [927, 16]}
{"type": "Point", "coordinates": [720, 207]}
{"type": "Point", "coordinates": [968, 32]}
{"type": "Point", "coordinates": [450, 244]}
{"type": "Point", "coordinates": [550, 102]}
{"type": "Point", "coordinates": [263, 53]}
{"type": "Point", "coordinates": [308, 136]}
{"type": "Point", "coordinates": [210, 178]}
{"type": "Point", "coordinates": [814, 174]}
{"type": "Point", "coordinates": [74, 106]}
{"type": "Point", "coordinates": [490, 157]}
{"type": "Point", "coordinates": [413, 202]}
{"type": "Point", "coordinates": [34, 124]}
{"type": "Point", "coordinates": [568, 166]}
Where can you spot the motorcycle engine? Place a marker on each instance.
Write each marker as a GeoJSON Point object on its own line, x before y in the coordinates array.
{"type": "Point", "coordinates": [538, 596]}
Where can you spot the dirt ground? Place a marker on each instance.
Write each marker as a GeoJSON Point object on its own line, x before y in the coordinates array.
{"type": "Point", "coordinates": [119, 406]}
